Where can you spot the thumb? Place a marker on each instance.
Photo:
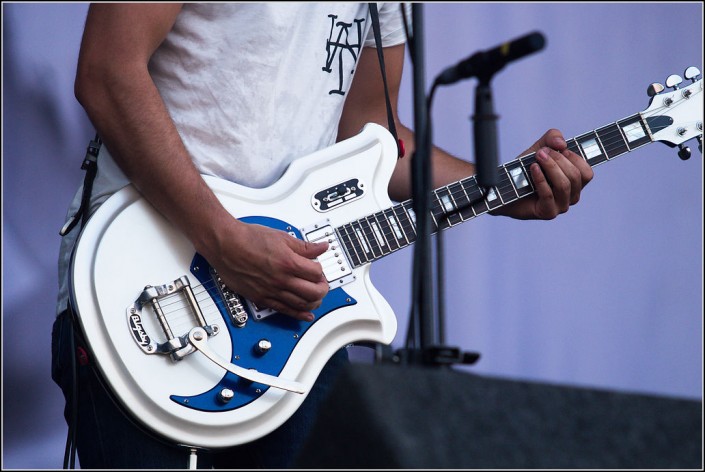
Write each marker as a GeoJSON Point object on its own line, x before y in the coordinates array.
{"type": "Point", "coordinates": [308, 249]}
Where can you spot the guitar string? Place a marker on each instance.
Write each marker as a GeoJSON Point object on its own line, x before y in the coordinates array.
{"type": "Point", "coordinates": [506, 190]}
{"type": "Point", "coordinates": [610, 138]}
{"type": "Point", "coordinates": [176, 308]}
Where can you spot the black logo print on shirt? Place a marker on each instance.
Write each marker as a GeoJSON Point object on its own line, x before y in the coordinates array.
{"type": "Point", "coordinates": [340, 46]}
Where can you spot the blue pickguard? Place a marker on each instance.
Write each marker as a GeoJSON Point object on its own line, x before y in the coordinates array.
{"type": "Point", "coordinates": [282, 331]}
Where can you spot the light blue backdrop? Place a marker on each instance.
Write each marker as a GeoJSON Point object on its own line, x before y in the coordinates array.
{"type": "Point", "coordinates": [607, 296]}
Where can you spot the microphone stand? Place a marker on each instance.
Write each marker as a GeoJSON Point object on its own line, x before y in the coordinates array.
{"type": "Point", "coordinates": [485, 134]}
{"type": "Point", "coordinates": [422, 308]}
{"type": "Point", "coordinates": [424, 341]}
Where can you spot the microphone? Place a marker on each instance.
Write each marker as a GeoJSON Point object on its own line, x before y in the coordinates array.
{"type": "Point", "coordinates": [484, 64]}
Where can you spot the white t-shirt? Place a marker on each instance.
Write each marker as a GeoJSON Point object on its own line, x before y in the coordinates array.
{"type": "Point", "coordinates": [251, 87]}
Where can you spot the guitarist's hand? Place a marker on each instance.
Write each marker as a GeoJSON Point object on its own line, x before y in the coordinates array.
{"type": "Point", "coordinates": [271, 268]}
{"type": "Point", "coordinates": [559, 177]}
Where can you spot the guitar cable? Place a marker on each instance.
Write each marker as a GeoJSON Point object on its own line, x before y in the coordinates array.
{"type": "Point", "coordinates": [70, 449]}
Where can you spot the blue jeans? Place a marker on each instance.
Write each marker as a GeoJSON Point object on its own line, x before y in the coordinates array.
{"type": "Point", "coordinates": [107, 439]}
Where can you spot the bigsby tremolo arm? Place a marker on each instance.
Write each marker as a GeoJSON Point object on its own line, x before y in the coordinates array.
{"type": "Point", "coordinates": [198, 338]}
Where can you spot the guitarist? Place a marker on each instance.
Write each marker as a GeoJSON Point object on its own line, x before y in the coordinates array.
{"type": "Point", "coordinates": [238, 91]}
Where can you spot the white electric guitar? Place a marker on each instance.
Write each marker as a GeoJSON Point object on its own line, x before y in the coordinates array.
{"type": "Point", "coordinates": [200, 365]}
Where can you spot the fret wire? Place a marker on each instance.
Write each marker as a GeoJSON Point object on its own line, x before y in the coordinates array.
{"type": "Point", "coordinates": [476, 196]}
{"type": "Point", "coordinates": [404, 228]}
{"type": "Point", "coordinates": [522, 166]}
{"type": "Point", "coordinates": [527, 171]}
{"type": "Point", "coordinates": [352, 245]}
{"type": "Point", "coordinates": [357, 233]}
{"type": "Point", "coordinates": [599, 143]}
{"type": "Point", "coordinates": [637, 141]}
{"type": "Point", "coordinates": [624, 137]}
{"type": "Point", "coordinates": [450, 194]}
{"type": "Point", "coordinates": [500, 189]}
{"type": "Point", "coordinates": [372, 236]}
{"type": "Point", "coordinates": [511, 181]}
{"type": "Point", "coordinates": [384, 224]}
{"type": "Point", "coordinates": [577, 149]}
{"type": "Point", "coordinates": [498, 193]}
{"type": "Point", "coordinates": [395, 211]}
{"type": "Point", "coordinates": [399, 226]}
{"type": "Point", "coordinates": [458, 195]}
{"type": "Point", "coordinates": [460, 191]}
{"type": "Point", "coordinates": [437, 212]}
{"type": "Point", "coordinates": [611, 140]}
{"type": "Point", "coordinates": [366, 231]}
{"type": "Point", "coordinates": [405, 223]}
{"type": "Point", "coordinates": [386, 231]}
{"type": "Point", "coordinates": [362, 255]}
{"type": "Point", "coordinates": [410, 221]}
{"type": "Point", "coordinates": [444, 213]}
{"type": "Point", "coordinates": [433, 216]}
{"type": "Point", "coordinates": [349, 246]}
{"type": "Point", "coordinates": [620, 132]}
{"type": "Point", "coordinates": [471, 201]}
{"type": "Point", "coordinates": [467, 197]}
{"type": "Point", "coordinates": [370, 233]}
{"type": "Point", "coordinates": [375, 224]}
{"type": "Point", "coordinates": [515, 178]}
{"type": "Point", "coordinates": [481, 201]}
{"type": "Point", "coordinates": [456, 203]}
{"type": "Point", "coordinates": [344, 245]}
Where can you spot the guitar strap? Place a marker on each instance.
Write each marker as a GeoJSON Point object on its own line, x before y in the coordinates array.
{"type": "Point", "coordinates": [90, 165]}
{"type": "Point", "coordinates": [374, 14]}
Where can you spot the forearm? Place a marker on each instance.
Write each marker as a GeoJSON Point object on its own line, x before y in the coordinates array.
{"type": "Point", "coordinates": [128, 113]}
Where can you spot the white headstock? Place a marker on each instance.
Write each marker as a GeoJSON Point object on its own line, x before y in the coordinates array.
{"type": "Point", "coordinates": [677, 116]}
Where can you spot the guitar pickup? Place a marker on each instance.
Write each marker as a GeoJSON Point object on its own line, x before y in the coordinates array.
{"type": "Point", "coordinates": [336, 267]}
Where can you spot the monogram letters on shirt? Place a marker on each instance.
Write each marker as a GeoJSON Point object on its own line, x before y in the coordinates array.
{"type": "Point", "coordinates": [341, 47]}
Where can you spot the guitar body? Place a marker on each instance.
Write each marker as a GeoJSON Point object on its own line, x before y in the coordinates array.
{"type": "Point", "coordinates": [127, 246]}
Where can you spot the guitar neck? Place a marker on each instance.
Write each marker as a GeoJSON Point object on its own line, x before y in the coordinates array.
{"type": "Point", "coordinates": [379, 234]}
